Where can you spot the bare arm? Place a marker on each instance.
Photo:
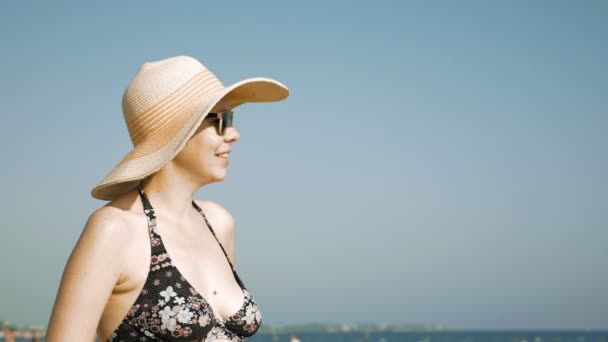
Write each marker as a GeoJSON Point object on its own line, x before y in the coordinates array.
{"type": "Point", "coordinates": [91, 272]}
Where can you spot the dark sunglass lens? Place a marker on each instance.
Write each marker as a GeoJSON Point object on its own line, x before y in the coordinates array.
{"type": "Point", "coordinates": [226, 121]}
{"type": "Point", "coordinates": [229, 119]}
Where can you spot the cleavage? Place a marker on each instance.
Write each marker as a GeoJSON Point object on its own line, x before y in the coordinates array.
{"type": "Point", "coordinates": [187, 278]}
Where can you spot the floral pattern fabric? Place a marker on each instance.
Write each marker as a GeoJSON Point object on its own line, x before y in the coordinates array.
{"type": "Point", "coordinates": [168, 308]}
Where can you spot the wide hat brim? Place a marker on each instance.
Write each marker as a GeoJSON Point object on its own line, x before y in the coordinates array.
{"type": "Point", "coordinates": [153, 153]}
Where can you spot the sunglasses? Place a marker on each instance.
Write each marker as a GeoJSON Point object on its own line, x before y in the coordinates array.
{"type": "Point", "coordinates": [223, 121]}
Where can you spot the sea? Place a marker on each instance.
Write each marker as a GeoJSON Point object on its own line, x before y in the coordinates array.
{"type": "Point", "coordinates": [443, 336]}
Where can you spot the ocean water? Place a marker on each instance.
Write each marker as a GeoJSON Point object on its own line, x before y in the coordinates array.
{"type": "Point", "coordinates": [460, 336]}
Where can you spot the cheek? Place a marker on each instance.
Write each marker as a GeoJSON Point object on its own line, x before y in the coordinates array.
{"type": "Point", "coordinates": [201, 146]}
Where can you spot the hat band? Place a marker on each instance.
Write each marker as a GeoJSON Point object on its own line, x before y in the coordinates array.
{"type": "Point", "coordinates": [171, 108]}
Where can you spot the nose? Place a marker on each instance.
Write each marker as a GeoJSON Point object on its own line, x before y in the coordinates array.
{"type": "Point", "coordinates": [231, 134]}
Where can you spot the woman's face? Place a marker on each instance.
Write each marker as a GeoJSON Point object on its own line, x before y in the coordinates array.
{"type": "Point", "coordinates": [200, 157]}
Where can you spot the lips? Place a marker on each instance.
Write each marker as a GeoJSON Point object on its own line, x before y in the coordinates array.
{"type": "Point", "coordinates": [223, 157]}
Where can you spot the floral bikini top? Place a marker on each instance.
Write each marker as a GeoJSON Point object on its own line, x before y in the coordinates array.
{"type": "Point", "coordinates": [168, 308]}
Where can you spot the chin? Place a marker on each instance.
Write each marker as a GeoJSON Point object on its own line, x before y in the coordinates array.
{"type": "Point", "coordinates": [220, 177]}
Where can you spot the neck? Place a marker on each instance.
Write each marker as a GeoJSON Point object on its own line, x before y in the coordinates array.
{"type": "Point", "coordinates": [171, 194]}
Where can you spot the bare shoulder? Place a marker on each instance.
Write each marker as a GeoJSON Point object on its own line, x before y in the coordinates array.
{"type": "Point", "coordinates": [106, 235]}
{"type": "Point", "coordinates": [222, 223]}
{"type": "Point", "coordinates": [218, 216]}
{"type": "Point", "coordinates": [109, 233]}
{"type": "Point", "coordinates": [107, 224]}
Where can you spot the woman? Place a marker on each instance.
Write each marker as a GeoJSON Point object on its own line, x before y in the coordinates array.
{"type": "Point", "coordinates": [174, 280]}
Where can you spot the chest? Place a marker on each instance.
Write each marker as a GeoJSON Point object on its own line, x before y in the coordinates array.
{"type": "Point", "coordinates": [198, 258]}
{"type": "Point", "coordinates": [191, 281]}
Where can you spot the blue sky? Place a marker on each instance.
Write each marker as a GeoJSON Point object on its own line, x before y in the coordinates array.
{"type": "Point", "coordinates": [437, 162]}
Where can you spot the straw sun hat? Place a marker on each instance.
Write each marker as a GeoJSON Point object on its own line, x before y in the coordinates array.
{"type": "Point", "coordinates": [163, 106]}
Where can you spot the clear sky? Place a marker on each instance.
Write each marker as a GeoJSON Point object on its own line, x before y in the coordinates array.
{"type": "Point", "coordinates": [437, 161]}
